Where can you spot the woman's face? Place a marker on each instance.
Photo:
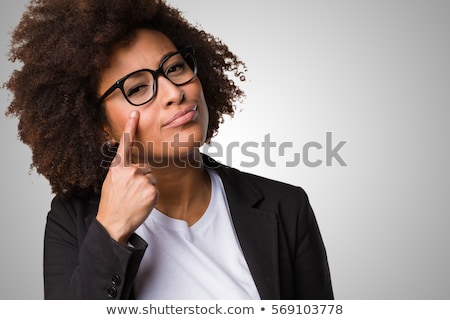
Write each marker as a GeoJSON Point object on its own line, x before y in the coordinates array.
{"type": "Point", "coordinates": [172, 124]}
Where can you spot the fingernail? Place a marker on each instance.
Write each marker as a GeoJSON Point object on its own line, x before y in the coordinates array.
{"type": "Point", "coordinates": [133, 114]}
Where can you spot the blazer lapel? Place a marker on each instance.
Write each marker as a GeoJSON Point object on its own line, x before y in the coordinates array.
{"type": "Point", "coordinates": [256, 229]}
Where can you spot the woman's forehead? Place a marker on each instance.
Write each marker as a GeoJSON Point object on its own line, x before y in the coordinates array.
{"type": "Point", "coordinates": [148, 44]}
{"type": "Point", "coordinates": [145, 51]}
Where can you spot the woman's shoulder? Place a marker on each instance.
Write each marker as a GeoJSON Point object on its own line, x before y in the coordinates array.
{"type": "Point", "coordinates": [75, 207]}
{"type": "Point", "coordinates": [244, 180]}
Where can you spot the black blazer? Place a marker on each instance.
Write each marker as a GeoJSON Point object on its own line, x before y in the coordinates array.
{"type": "Point", "coordinates": [274, 222]}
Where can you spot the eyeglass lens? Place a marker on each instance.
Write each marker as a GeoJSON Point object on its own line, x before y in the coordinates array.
{"type": "Point", "coordinates": [139, 87]}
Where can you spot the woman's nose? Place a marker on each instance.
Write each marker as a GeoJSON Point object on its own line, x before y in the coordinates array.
{"type": "Point", "coordinates": [169, 93]}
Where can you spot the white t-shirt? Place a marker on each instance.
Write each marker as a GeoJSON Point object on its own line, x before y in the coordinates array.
{"type": "Point", "coordinates": [201, 262]}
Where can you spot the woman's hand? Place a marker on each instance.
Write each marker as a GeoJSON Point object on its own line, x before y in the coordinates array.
{"type": "Point", "coordinates": [129, 193]}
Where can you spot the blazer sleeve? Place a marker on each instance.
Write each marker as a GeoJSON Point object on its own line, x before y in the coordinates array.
{"type": "Point", "coordinates": [312, 274]}
{"type": "Point", "coordinates": [81, 260]}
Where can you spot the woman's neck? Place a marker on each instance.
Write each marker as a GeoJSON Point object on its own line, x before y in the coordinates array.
{"type": "Point", "coordinates": [184, 188]}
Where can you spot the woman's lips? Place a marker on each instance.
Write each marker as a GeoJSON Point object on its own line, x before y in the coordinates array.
{"type": "Point", "coordinates": [181, 117]}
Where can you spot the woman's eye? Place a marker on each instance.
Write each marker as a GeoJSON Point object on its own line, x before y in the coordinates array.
{"type": "Point", "coordinates": [137, 90]}
{"type": "Point", "coordinates": [179, 67]}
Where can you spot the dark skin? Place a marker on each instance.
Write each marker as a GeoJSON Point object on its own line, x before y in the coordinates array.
{"type": "Point", "coordinates": [134, 185]}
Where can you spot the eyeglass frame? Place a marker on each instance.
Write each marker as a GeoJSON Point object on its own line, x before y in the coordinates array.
{"type": "Point", "coordinates": [155, 73]}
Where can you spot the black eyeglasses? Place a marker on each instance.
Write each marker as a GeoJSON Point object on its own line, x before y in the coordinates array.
{"type": "Point", "coordinates": [139, 87]}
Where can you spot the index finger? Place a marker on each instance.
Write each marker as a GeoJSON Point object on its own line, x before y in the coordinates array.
{"type": "Point", "coordinates": [127, 139]}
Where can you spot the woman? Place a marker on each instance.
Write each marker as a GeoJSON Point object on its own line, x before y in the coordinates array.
{"type": "Point", "coordinates": [115, 100]}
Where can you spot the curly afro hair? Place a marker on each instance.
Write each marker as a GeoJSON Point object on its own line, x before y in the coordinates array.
{"type": "Point", "coordinates": [64, 45]}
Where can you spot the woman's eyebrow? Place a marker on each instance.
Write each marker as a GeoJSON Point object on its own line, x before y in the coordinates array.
{"type": "Point", "coordinates": [164, 57]}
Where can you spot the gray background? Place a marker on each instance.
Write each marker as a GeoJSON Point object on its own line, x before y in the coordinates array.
{"type": "Point", "coordinates": [374, 73]}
